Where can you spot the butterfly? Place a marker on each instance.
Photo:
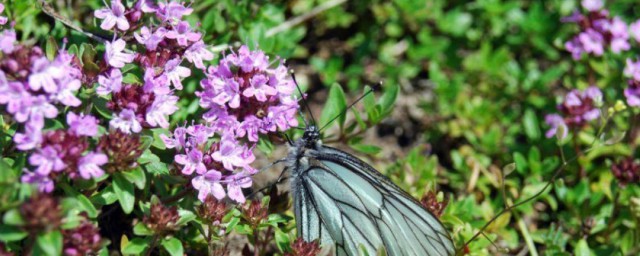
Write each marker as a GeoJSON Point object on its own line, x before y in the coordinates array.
{"type": "Point", "coordinates": [344, 202]}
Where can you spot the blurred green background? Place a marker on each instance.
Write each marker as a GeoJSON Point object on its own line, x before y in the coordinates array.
{"type": "Point", "coordinates": [473, 79]}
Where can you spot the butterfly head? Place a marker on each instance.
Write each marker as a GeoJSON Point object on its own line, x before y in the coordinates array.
{"type": "Point", "coordinates": [311, 135]}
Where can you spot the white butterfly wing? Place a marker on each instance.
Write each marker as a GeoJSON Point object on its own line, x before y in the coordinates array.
{"type": "Point", "coordinates": [340, 199]}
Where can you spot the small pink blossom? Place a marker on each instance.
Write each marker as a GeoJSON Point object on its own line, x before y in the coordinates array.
{"type": "Point", "coordinates": [82, 125]}
{"type": "Point", "coordinates": [231, 154]}
{"type": "Point", "coordinates": [183, 34]}
{"type": "Point", "coordinates": [175, 72]}
{"type": "Point", "coordinates": [115, 55]}
{"type": "Point", "coordinates": [259, 88]}
{"type": "Point", "coordinates": [197, 53]}
{"type": "Point", "coordinates": [162, 106]}
{"type": "Point", "coordinates": [8, 40]}
{"type": "Point", "coordinates": [109, 83]}
{"type": "Point", "coordinates": [89, 165]}
{"type": "Point", "coordinates": [44, 75]}
{"type": "Point", "coordinates": [3, 19]}
{"type": "Point", "coordinates": [592, 5]}
{"type": "Point", "coordinates": [208, 184]}
{"type": "Point", "coordinates": [150, 39]}
{"type": "Point", "coordinates": [126, 122]}
{"type": "Point", "coordinates": [113, 16]}
{"type": "Point", "coordinates": [30, 139]}
{"type": "Point", "coordinates": [35, 109]}
{"type": "Point", "coordinates": [47, 160]}
{"type": "Point", "coordinates": [235, 187]}
{"type": "Point", "coordinates": [192, 161]}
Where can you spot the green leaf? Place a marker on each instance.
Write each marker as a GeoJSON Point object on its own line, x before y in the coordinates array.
{"type": "Point", "coordinates": [582, 248]}
{"type": "Point", "coordinates": [531, 125]}
{"type": "Point", "coordinates": [140, 229]}
{"type": "Point", "coordinates": [148, 157]}
{"type": "Point", "coordinates": [136, 246]}
{"type": "Point", "coordinates": [157, 168]}
{"type": "Point", "coordinates": [50, 243]}
{"type": "Point", "coordinates": [185, 217]}
{"type": "Point", "coordinates": [13, 217]}
{"type": "Point", "coordinates": [100, 104]}
{"type": "Point", "coordinates": [124, 192]}
{"type": "Point", "coordinates": [388, 99]}
{"type": "Point", "coordinates": [173, 246]}
{"type": "Point", "coordinates": [11, 233]}
{"type": "Point", "coordinates": [86, 206]}
{"type": "Point", "coordinates": [282, 241]}
{"type": "Point", "coordinates": [51, 48]}
{"type": "Point", "coordinates": [105, 197]}
{"type": "Point", "coordinates": [367, 149]}
{"type": "Point", "coordinates": [137, 177]}
{"type": "Point", "coordinates": [336, 103]}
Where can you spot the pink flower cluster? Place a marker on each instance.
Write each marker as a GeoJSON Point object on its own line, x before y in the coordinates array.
{"type": "Point", "coordinates": [63, 151]}
{"type": "Point", "coordinates": [136, 107]}
{"type": "Point", "coordinates": [577, 109]}
{"type": "Point", "coordinates": [599, 31]}
{"type": "Point", "coordinates": [31, 86]}
{"type": "Point", "coordinates": [632, 92]}
{"type": "Point", "coordinates": [211, 165]}
{"type": "Point", "coordinates": [245, 97]}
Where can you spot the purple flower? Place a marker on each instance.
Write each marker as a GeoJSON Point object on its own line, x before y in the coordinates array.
{"type": "Point", "coordinates": [592, 42]}
{"type": "Point", "coordinates": [620, 33]}
{"type": "Point", "coordinates": [175, 72]}
{"type": "Point", "coordinates": [47, 160]}
{"type": "Point", "coordinates": [110, 83]}
{"type": "Point", "coordinates": [149, 39]}
{"type": "Point", "coordinates": [44, 75]}
{"type": "Point", "coordinates": [30, 139]}
{"type": "Point", "coordinates": [147, 6]}
{"type": "Point", "coordinates": [8, 40]}
{"type": "Point", "coordinates": [632, 69]}
{"type": "Point", "coordinates": [226, 91]}
{"type": "Point", "coordinates": [556, 121]}
{"type": "Point", "coordinates": [579, 108]}
{"type": "Point", "coordinates": [114, 54]}
{"type": "Point", "coordinates": [574, 46]}
{"type": "Point", "coordinates": [183, 34]}
{"type": "Point", "coordinates": [112, 16]}
{"type": "Point", "coordinates": [635, 30]}
{"type": "Point", "coordinates": [231, 154]}
{"type": "Point", "coordinates": [250, 127]}
{"type": "Point", "coordinates": [248, 60]}
{"type": "Point", "coordinates": [197, 53]}
{"type": "Point", "coordinates": [632, 93]}
{"type": "Point", "coordinates": [199, 134]}
{"type": "Point", "coordinates": [45, 184]}
{"type": "Point", "coordinates": [592, 5]}
{"type": "Point", "coordinates": [126, 122]}
{"type": "Point", "coordinates": [158, 85]}
{"type": "Point", "coordinates": [34, 109]}
{"type": "Point", "coordinates": [162, 106]}
{"type": "Point", "coordinates": [82, 125]}
{"type": "Point", "coordinates": [89, 165]}
{"type": "Point", "coordinates": [66, 93]}
{"type": "Point", "coordinates": [192, 161]}
{"type": "Point", "coordinates": [234, 188]}
{"type": "Point", "coordinates": [259, 88]}
{"type": "Point", "coordinates": [172, 11]}
{"type": "Point", "coordinates": [208, 184]}
{"type": "Point", "coordinates": [178, 139]}
{"type": "Point", "coordinates": [12, 94]}
{"type": "Point", "coordinates": [3, 19]}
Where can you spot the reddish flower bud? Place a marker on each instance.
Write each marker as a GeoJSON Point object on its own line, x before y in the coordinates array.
{"type": "Point", "coordinates": [301, 248]}
{"type": "Point", "coordinates": [41, 213]}
{"type": "Point", "coordinates": [162, 219]}
{"type": "Point", "coordinates": [430, 201]}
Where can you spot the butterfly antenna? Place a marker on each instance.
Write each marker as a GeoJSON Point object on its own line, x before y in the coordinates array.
{"type": "Point", "coordinates": [306, 105]}
{"type": "Point", "coordinates": [344, 111]}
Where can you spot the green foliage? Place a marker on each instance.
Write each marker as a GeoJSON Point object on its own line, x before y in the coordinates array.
{"type": "Point", "coordinates": [465, 88]}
